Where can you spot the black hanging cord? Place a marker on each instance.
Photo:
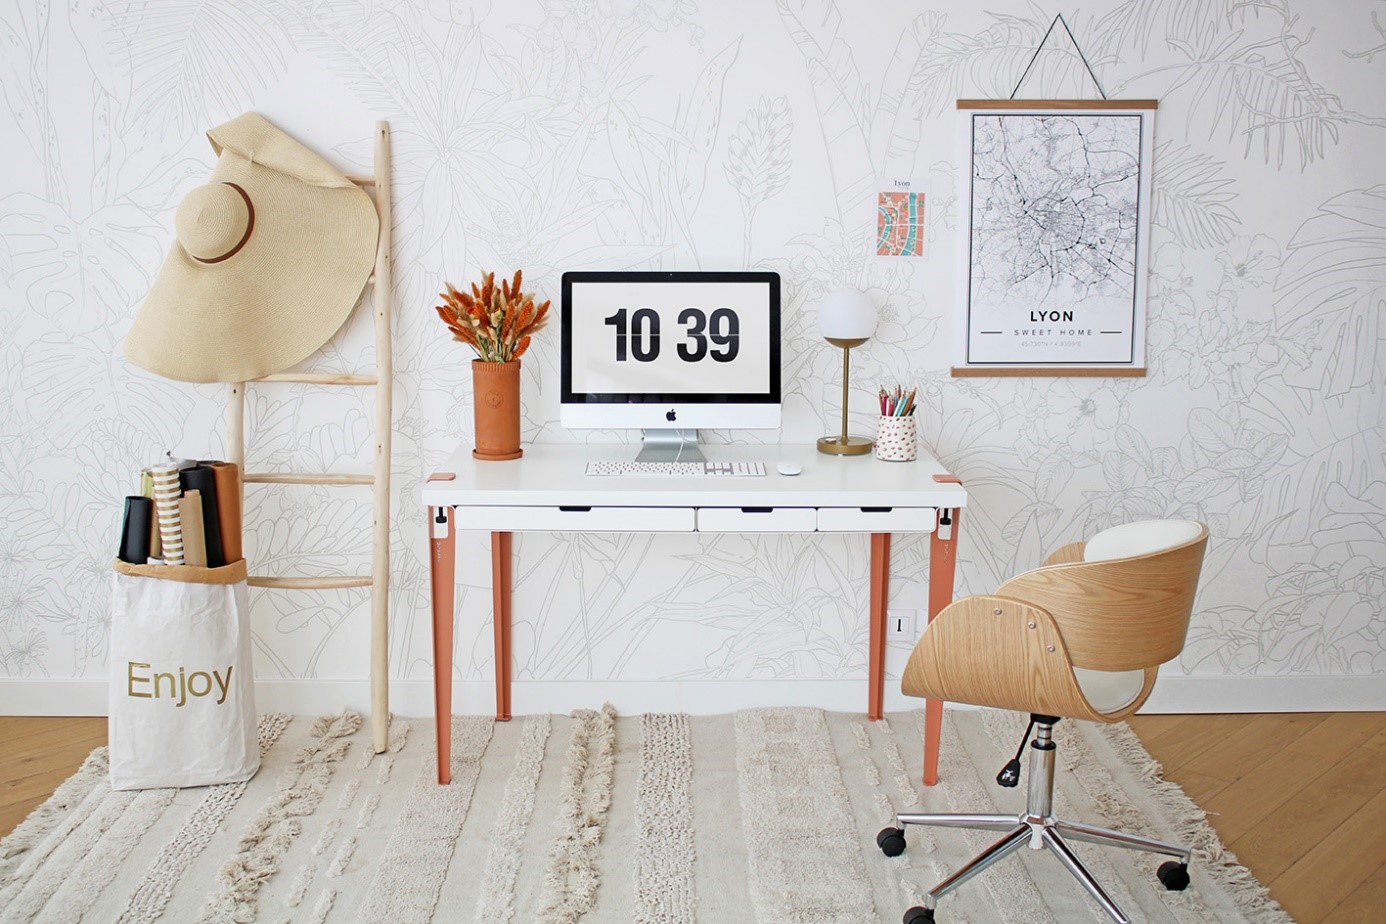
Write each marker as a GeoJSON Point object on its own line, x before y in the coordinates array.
{"type": "Point", "coordinates": [1059, 20]}
{"type": "Point", "coordinates": [1010, 774]}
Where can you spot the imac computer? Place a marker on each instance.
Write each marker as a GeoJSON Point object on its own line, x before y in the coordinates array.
{"type": "Point", "coordinates": [669, 353]}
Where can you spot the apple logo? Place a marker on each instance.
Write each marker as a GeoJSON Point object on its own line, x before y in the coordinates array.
{"type": "Point", "coordinates": [670, 415]}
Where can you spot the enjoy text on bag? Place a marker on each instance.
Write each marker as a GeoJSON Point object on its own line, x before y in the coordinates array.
{"type": "Point", "coordinates": [179, 685]}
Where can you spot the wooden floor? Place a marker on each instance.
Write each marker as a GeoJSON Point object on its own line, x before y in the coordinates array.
{"type": "Point", "coordinates": [1300, 798]}
{"type": "Point", "coordinates": [36, 754]}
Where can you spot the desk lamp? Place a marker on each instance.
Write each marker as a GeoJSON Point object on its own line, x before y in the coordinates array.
{"type": "Point", "coordinates": [846, 318]}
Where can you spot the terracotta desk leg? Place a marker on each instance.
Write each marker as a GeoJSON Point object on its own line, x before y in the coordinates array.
{"type": "Point", "coordinates": [880, 597]}
{"type": "Point", "coordinates": [943, 559]}
{"type": "Point", "coordinates": [442, 560]}
{"type": "Point", "coordinates": [500, 616]}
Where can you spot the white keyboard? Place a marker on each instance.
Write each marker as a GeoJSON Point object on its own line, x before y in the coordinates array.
{"type": "Point", "coordinates": [676, 469]}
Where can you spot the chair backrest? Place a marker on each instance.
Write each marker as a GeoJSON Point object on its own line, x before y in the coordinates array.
{"type": "Point", "coordinates": [1126, 606]}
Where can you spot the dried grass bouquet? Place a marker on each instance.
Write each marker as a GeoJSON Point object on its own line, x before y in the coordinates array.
{"type": "Point", "coordinates": [497, 323]}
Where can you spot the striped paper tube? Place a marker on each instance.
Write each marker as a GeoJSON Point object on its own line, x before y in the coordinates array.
{"type": "Point", "coordinates": [166, 493]}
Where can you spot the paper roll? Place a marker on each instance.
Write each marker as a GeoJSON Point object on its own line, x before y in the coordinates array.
{"type": "Point", "coordinates": [227, 476]}
{"type": "Point", "coordinates": [156, 547]}
{"type": "Point", "coordinates": [166, 493]}
{"type": "Point", "coordinates": [190, 512]}
{"type": "Point", "coordinates": [200, 479]}
{"type": "Point", "coordinates": [134, 530]}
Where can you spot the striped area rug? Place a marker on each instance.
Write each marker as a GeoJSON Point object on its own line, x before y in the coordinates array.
{"type": "Point", "coordinates": [767, 815]}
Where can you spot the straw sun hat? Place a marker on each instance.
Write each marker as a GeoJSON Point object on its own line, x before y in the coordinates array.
{"type": "Point", "coordinates": [271, 256]}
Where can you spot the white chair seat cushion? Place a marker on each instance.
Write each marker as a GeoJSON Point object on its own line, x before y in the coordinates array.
{"type": "Point", "coordinates": [1108, 691]}
{"type": "Point", "coordinates": [1132, 539]}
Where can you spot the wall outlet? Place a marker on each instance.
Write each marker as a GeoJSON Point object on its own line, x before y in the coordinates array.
{"type": "Point", "coordinates": [900, 624]}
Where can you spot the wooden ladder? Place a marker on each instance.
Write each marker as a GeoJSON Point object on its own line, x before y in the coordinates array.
{"type": "Point", "coordinates": [383, 380]}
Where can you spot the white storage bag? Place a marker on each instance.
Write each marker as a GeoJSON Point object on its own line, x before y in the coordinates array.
{"type": "Point", "coordinates": [182, 689]}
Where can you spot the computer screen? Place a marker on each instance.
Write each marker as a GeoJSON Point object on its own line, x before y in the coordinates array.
{"type": "Point", "coordinates": [663, 343]}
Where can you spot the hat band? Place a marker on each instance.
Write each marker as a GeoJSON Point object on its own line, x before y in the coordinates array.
{"type": "Point", "coordinates": [249, 226]}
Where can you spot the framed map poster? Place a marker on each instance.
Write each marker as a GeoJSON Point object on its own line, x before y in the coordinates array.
{"type": "Point", "coordinates": [1056, 241]}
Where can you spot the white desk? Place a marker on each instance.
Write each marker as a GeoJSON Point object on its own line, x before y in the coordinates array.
{"type": "Point", "coordinates": [548, 490]}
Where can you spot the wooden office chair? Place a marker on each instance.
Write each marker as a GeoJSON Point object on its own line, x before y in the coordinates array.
{"type": "Point", "coordinates": [1080, 637]}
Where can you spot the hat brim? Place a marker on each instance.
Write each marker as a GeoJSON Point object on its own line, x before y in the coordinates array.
{"type": "Point", "coordinates": [274, 302]}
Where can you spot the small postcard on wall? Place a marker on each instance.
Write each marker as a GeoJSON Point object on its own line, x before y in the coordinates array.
{"type": "Point", "coordinates": [901, 230]}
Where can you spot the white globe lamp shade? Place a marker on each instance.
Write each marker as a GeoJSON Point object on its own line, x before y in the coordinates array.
{"type": "Point", "coordinates": [847, 314]}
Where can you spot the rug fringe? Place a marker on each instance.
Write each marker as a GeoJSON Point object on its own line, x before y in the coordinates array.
{"type": "Point", "coordinates": [1192, 828]}
{"type": "Point", "coordinates": [570, 884]}
{"type": "Point", "coordinates": [269, 834]}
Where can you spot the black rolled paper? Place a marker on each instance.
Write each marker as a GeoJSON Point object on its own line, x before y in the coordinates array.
{"type": "Point", "coordinates": [134, 532]}
{"type": "Point", "coordinates": [200, 478]}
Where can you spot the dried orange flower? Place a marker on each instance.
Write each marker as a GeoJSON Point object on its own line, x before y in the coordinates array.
{"type": "Point", "coordinates": [496, 322]}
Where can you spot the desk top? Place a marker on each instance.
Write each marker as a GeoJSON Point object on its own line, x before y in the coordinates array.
{"type": "Point", "coordinates": [554, 473]}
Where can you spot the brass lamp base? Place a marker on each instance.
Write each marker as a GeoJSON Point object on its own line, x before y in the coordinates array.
{"type": "Point", "coordinates": [853, 446]}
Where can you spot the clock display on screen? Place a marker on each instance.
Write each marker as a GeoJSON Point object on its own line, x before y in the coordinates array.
{"type": "Point", "coordinates": [680, 338]}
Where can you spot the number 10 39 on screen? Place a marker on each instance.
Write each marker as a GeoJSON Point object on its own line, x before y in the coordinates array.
{"type": "Point", "coordinates": [716, 336]}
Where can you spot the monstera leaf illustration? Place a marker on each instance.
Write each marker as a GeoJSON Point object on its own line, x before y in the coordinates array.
{"type": "Point", "coordinates": [82, 273]}
{"type": "Point", "coordinates": [1335, 276]}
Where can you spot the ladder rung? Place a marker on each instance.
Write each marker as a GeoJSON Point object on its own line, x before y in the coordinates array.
{"type": "Point", "coordinates": [361, 179]}
{"type": "Point", "coordinates": [304, 478]}
{"type": "Point", "coordinates": [319, 378]}
{"type": "Point", "coordinates": [309, 583]}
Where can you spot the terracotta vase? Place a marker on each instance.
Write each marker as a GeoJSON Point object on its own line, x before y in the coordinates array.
{"type": "Point", "coordinates": [496, 403]}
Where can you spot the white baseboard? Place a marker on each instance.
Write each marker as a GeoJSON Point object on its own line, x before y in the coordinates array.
{"type": "Point", "coordinates": [1172, 694]}
{"type": "Point", "coordinates": [1264, 693]}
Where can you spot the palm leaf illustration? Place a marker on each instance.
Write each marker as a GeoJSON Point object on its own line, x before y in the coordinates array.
{"type": "Point", "coordinates": [1192, 197]}
{"type": "Point", "coordinates": [1134, 24]}
{"type": "Point", "coordinates": [990, 62]}
{"type": "Point", "coordinates": [193, 61]}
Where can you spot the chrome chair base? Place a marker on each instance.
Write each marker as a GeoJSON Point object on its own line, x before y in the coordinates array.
{"type": "Point", "coordinates": [1038, 829]}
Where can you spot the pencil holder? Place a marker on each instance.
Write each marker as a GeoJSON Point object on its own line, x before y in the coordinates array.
{"type": "Point", "coordinates": [896, 440]}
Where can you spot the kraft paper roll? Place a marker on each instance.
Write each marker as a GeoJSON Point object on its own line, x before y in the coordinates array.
{"type": "Point", "coordinates": [190, 511]}
{"type": "Point", "coordinates": [156, 548]}
{"type": "Point", "coordinates": [227, 476]}
{"type": "Point", "coordinates": [166, 493]}
{"type": "Point", "coordinates": [134, 530]}
{"type": "Point", "coordinates": [200, 479]}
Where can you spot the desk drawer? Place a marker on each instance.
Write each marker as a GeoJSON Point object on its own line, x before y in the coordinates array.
{"type": "Point", "coordinates": [757, 519]}
{"type": "Point", "coordinates": [877, 519]}
{"type": "Point", "coordinates": [577, 519]}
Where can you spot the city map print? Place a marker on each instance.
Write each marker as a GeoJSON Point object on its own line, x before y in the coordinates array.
{"type": "Point", "coordinates": [900, 224]}
{"type": "Point", "coordinates": [1052, 257]}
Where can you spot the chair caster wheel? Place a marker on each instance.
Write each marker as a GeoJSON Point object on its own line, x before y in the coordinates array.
{"type": "Point", "coordinates": [891, 841]}
{"type": "Point", "coordinates": [918, 915]}
{"type": "Point", "coordinates": [1174, 875]}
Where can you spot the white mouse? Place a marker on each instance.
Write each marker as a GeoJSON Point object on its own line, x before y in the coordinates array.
{"type": "Point", "coordinates": [788, 468]}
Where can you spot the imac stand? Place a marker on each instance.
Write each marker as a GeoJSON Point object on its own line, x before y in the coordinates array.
{"type": "Point", "coordinates": [668, 445]}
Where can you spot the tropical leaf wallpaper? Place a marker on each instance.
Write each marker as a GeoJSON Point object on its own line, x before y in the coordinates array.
{"type": "Point", "coordinates": [556, 135]}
